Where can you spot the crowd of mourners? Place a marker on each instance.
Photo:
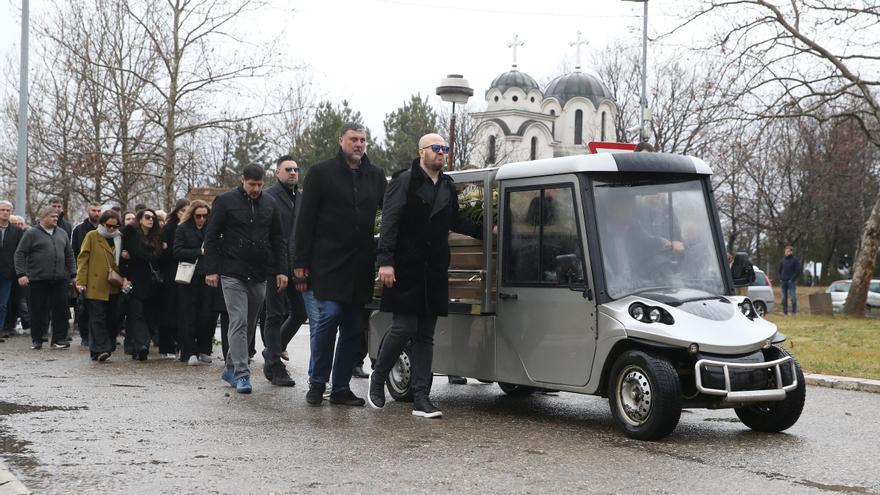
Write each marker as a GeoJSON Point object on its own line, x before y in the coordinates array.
{"type": "Point", "coordinates": [147, 282]}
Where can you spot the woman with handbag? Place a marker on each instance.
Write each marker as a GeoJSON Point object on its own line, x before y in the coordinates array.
{"type": "Point", "coordinates": [142, 246]}
{"type": "Point", "coordinates": [98, 279]}
{"type": "Point", "coordinates": [195, 298]}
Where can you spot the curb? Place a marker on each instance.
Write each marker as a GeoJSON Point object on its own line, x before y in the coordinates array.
{"type": "Point", "coordinates": [9, 485]}
{"type": "Point", "coordinates": [843, 383]}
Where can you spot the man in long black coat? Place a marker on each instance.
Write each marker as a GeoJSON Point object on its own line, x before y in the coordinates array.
{"type": "Point", "coordinates": [10, 235]}
{"type": "Point", "coordinates": [334, 259]}
{"type": "Point", "coordinates": [421, 207]}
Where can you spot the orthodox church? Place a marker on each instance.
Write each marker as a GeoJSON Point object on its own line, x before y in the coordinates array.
{"type": "Point", "coordinates": [522, 121]}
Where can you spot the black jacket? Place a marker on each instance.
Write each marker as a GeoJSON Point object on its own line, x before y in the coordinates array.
{"type": "Point", "coordinates": [334, 229]}
{"type": "Point", "coordinates": [416, 220]}
{"type": "Point", "coordinates": [79, 233]}
{"type": "Point", "coordinates": [286, 200]}
{"type": "Point", "coordinates": [188, 241]}
{"type": "Point", "coordinates": [7, 251]}
{"type": "Point", "coordinates": [142, 260]}
{"type": "Point", "coordinates": [251, 237]}
{"type": "Point", "coordinates": [168, 261]}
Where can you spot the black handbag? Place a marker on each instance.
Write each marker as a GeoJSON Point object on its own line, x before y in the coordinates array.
{"type": "Point", "coordinates": [156, 276]}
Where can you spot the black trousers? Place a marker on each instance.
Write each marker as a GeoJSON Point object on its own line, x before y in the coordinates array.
{"type": "Point", "coordinates": [419, 329]}
{"type": "Point", "coordinates": [170, 316]}
{"type": "Point", "coordinates": [137, 329]}
{"type": "Point", "coordinates": [285, 313]}
{"type": "Point", "coordinates": [48, 298]}
{"type": "Point", "coordinates": [363, 349]}
{"type": "Point", "coordinates": [81, 317]}
{"type": "Point", "coordinates": [198, 316]}
{"type": "Point", "coordinates": [103, 324]}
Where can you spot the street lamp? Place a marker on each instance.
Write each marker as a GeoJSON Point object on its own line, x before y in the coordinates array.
{"type": "Point", "coordinates": [643, 104]}
{"type": "Point", "coordinates": [454, 88]}
{"type": "Point", "coordinates": [21, 170]}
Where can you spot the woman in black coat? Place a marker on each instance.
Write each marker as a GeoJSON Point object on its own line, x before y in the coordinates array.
{"type": "Point", "coordinates": [170, 332]}
{"type": "Point", "coordinates": [196, 299]}
{"type": "Point", "coordinates": [142, 247]}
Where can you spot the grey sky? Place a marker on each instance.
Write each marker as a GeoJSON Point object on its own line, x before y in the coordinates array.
{"type": "Point", "coordinates": [376, 53]}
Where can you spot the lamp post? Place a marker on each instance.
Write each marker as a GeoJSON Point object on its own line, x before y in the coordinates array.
{"type": "Point", "coordinates": [21, 171]}
{"type": "Point", "coordinates": [454, 88]}
{"type": "Point", "coordinates": [643, 104]}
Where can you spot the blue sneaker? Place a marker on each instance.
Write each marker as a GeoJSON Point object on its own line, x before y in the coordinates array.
{"type": "Point", "coordinates": [243, 385]}
{"type": "Point", "coordinates": [228, 377]}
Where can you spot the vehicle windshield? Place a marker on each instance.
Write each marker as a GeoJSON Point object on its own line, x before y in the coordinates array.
{"type": "Point", "coordinates": [656, 233]}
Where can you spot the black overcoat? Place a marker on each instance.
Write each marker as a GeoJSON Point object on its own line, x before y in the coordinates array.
{"type": "Point", "coordinates": [415, 241]}
{"type": "Point", "coordinates": [7, 251]}
{"type": "Point", "coordinates": [334, 229]}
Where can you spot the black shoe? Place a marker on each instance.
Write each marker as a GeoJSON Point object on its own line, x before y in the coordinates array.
{"type": "Point", "coordinates": [267, 369]}
{"type": "Point", "coordinates": [346, 398]}
{"type": "Point", "coordinates": [103, 356]}
{"type": "Point", "coordinates": [457, 380]}
{"type": "Point", "coordinates": [280, 376]}
{"type": "Point", "coordinates": [315, 395]}
{"type": "Point", "coordinates": [424, 409]}
{"type": "Point", "coordinates": [142, 355]}
{"type": "Point", "coordinates": [358, 372]}
{"type": "Point", "coordinates": [37, 345]}
{"type": "Point", "coordinates": [376, 395]}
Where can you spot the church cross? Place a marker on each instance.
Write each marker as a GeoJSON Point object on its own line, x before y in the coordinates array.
{"type": "Point", "coordinates": [513, 44]}
{"type": "Point", "coordinates": [578, 44]}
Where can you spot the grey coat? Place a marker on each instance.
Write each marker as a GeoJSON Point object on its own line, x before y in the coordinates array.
{"type": "Point", "coordinates": [42, 256]}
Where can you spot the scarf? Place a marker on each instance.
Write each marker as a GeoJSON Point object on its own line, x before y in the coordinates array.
{"type": "Point", "coordinates": [116, 235]}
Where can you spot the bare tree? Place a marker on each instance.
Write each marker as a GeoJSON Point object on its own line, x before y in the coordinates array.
{"type": "Point", "coordinates": [814, 59]}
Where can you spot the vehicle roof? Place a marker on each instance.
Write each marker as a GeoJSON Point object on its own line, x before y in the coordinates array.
{"type": "Point", "coordinates": [606, 162]}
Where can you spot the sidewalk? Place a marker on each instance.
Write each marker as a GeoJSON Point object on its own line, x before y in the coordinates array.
{"type": "Point", "coordinates": [842, 382]}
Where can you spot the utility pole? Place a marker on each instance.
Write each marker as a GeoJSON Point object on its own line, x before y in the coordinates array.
{"type": "Point", "coordinates": [21, 171]}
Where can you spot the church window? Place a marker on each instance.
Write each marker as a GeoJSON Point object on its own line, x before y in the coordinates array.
{"type": "Point", "coordinates": [603, 127]}
{"type": "Point", "coordinates": [491, 158]}
{"type": "Point", "coordinates": [496, 98]}
{"type": "Point", "coordinates": [534, 152]}
{"type": "Point", "coordinates": [579, 127]}
{"type": "Point", "coordinates": [516, 98]}
{"type": "Point", "coordinates": [553, 113]}
{"type": "Point", "coordinates": [532, 99]}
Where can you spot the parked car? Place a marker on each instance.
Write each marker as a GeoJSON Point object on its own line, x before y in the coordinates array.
{"type": "Point", "coordinates": [840, 289]}
{"type": "Point", "coordinates": [761, 293]}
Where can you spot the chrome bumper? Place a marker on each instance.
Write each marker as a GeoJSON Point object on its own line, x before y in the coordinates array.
{"type": "Point", "coordinates": [733, 396]}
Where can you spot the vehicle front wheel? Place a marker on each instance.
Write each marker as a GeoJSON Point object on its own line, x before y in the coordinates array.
{"type": "Point", "coordinates": [760, 308]}
{"type": "Point", "coordinates": [780, 415]}
{"type": "Point", "coordinates": [516, 390]}
{"type": "Point", "coordinates": [644, 394]}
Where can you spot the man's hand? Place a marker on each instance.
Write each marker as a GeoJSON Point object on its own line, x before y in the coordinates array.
{"type": "Point", "coordinates": [386, 275]}
{"type": "Point", "coordinates": [281, 281]}
{"type": "Point", "coordinates": [23, 281]}
{"type": "Point", "coordinates": [81, 289]}
{"type": "Point", "coordinates": [212, 280]}
{"type": "Point", "coordinates": [301, 275]}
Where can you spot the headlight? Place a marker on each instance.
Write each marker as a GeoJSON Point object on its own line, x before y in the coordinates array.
{"type": "Point", "coordinates": [637, 311]}
{"type": "Point", "coordinates": [646, 314]}
{"type": "Point", "coordinates": [748, 309]}
{"type": "Point", "coordinates": [654, 315]}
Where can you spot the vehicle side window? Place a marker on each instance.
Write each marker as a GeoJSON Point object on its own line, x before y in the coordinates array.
{"type": "Point", "coordinates": [542, 237]}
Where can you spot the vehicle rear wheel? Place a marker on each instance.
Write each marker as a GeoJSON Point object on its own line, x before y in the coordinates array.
{"type": "Point", "coordinates": [760, 308]}
{"type": "Point", "coordinates": [516, 390]}
{"type": "Point", "coordinates": [399, 379]}
{"type": "Point", "coordinates": [644, 394]}
{"type": "Point", "coordinates": [779, 415]}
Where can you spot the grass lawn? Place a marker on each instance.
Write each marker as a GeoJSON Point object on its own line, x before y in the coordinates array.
{"type": "Point", "coordinates": [832, 345]}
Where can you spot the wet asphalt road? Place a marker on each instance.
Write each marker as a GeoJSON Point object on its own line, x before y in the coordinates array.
{"type": "Point", "coordinates": [68, 425]}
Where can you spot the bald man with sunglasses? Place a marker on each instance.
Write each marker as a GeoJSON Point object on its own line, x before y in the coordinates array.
{"type": "Point", "coordinates": [420, 208]}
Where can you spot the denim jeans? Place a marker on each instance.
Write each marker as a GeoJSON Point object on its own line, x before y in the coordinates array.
{"type": "Point", "coordinates": [5, 289]}
{"type": "Point", "coordinates": [324, 319]}
{"type": "Point", "coordinates": [789, 287]}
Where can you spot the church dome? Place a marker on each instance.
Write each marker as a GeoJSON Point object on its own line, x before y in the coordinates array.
{"type": "Point", "coordinates": [568, 86]}
{"type": "Point", "coordinates": [514, 79]}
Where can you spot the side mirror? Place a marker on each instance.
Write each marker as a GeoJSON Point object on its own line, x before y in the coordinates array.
{"type": "Point", "coordinates": [570, 271]}
{"type": "Point", "coordinates": [742, 270]}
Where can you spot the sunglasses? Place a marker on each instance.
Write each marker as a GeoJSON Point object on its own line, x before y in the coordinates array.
{"type": "Point", "coordinates": [111, 226]}
{"type": "Point", "coordinates": [291, 169]}
{"type": "Point", "coordinates": [149, 217]}
{"type": "Point", "coordinates": [437, 148]}
{"type": "Point", "coordinates": [198, 215]}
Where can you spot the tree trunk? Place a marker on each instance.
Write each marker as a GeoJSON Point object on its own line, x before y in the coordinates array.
{"type": "Point", "coordinates": [863, 268]}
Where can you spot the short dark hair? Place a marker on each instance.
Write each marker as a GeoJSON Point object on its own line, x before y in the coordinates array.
{"type": "Point", "coordinates": [253, 172]}
{"type": "Point", "coordinates": [644, 146]}
{"type": "Point", "coordinates": [95, 203]}
{"type": "Point", "coordinates": [283, 158]}
{"type": "Point", "coordinates": [55, 199]}
{"type": "Point", "coordinates": [116, 208]}
{"type": "Point", "coordinates": [107, 215]}
{"type": "Point", "coordinates": [351, 126]}
{"type": "Point", "coordinates": [138, 207]}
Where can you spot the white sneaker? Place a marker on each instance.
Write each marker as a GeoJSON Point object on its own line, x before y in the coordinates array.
{"type": "Point", "coordinates": [193, 361]}
{"type": "Point", "coordinates": [205, 358]}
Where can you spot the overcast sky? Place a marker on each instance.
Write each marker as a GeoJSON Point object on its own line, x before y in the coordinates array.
{"type": "Point", "coordinates": [376, 53]}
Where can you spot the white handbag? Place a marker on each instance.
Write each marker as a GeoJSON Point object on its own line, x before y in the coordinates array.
{"type": "Point", "coordinates": [185, 272]}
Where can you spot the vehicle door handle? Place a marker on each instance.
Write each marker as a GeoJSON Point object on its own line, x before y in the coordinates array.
{"type": "Point", "coordinates": [505, 296]}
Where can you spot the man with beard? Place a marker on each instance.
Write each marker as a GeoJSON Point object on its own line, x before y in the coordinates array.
{"type": "Point", "coordinates": [88, 224]}
{"type": "Point", "coordinates": [334, 260]}
{"type": "Point", "coordinates": [420, 208]}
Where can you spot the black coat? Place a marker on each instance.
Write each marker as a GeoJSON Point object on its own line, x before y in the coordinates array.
{"type": "Point", "coordinates": [188, 241]}
{"type": "Point", "coordinates": [167, 261]}
{"type": "Point", "coordinates": [142, 259]}
{"type": "Point", "coordinates": [286, 204]}
{"type": "Point", "coordinates": [416, 220]}
{"type": "Point", "coordinates": [251, 236]}
{"type": "Point", "coordinates": [334, 229]}
{"type": "Point", "coordinates": [7, 252]}
{"type": "Point", "coordinates": [79, 233]}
